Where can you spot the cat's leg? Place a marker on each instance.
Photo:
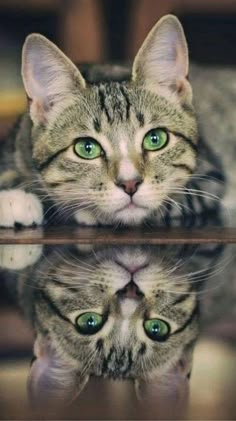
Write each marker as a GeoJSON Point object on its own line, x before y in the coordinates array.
{"type": "Point", "coordinates": [18, 207]}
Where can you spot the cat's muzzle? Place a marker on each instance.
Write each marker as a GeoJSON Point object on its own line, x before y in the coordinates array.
{"type": "Point", "coordinates": [130, 290]}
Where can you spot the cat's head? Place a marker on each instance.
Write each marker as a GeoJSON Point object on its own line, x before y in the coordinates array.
{"type": "Point", "coordinates": [120, 313]}
{"type": "Point", "coordinates": [113, 152]}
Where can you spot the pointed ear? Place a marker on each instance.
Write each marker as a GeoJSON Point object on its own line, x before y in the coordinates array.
{"type": "Point", "coordinates": [48, 76]}
{"type": "Point", "coordinates": [162, 62]}
{"type": "Point", "coordinates": [166, 395]}
{"type": "Point", "coordinates": [52, 380]}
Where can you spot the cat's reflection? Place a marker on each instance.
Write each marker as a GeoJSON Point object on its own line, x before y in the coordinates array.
{"type": "Point", "coordinates": [116, 312]}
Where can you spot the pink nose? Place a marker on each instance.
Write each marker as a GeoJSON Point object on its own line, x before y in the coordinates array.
{"type": "Point", "coordinates": [130, 186]}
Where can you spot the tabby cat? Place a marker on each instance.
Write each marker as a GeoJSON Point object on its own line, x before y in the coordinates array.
{"type": "Point", "coordinates": [120, 313]}
{"type": "Point", "coordinates": [112, 149]}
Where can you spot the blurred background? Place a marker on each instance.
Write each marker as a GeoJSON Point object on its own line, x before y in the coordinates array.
{"type": "Point", "coordinates": [106, 30]}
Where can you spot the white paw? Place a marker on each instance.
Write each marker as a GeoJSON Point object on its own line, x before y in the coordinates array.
{"type": "Point", "coordinates": [19, 207]}
{"type": "Point", "coordinates": [19, 256]}
{"type": "Point", "coordinates": [84, 217]}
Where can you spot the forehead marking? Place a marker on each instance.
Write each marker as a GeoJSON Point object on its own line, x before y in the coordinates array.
{"type": "Point", "coordinates": [128, 104]}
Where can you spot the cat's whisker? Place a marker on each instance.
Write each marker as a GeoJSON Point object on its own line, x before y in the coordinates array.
{"type": "Point", "coordinates": [195, 192]}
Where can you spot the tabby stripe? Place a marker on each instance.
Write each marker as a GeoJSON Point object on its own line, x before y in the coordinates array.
{"type": "Point", "coordinates": [97, 125]}
{"type": "Point", "coordinates": [62, 285]}
{"type": "Point", "coordinates": [184, 167]}
{"type": "Point", "coordinates": [201, 200]}
{"type": "Point", "coordinates": [167, 215]}
{"type": "Point", "coordinates": [209, 155]}
{"type": "Point", "coordinates": [51, 158]}
{"type": "Point", "coordinates": [190, 204]}
{"type": "Point", "coordinates": [107, 360]}
{"type": "Point", "coordinates": [181, 299]}
{"type": "Point", "coordinates": [99, 344]}
{"type": "Point", "coordinates": [215, 174]}
{"type": "Point", "coordinates": [102, 104]}
{"type": "Point", "coordinates": [142, 349]}
{"type": "Point", "coordinates": [189, 320]}
{"type": "Point", "coordinates": [186, 139]}
{"type": "Point", "coordinates": [130, 363]}
{"type": "Point", "coordinates": [53, 307]}
{"type": "Point", "coordinates": [214, 252]}
{"type": "Point", "coordinates": [61, 182]}
{"type": "Point", "coordinates": [128, 104]}
{"type": "Point", "coordinates": [140, 118]}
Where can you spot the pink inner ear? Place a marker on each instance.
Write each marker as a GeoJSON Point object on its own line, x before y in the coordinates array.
{"type": "Point", "coordinates": [167, 395]}
{"type": "Point", "coordinates": [39, 367]}
{"type": "Point", "coordinates": [39, 377]}
{"type": "Point", "coordinates": [52, 379]}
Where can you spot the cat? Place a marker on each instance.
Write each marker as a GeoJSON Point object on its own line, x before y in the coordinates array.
{"type": "Point", "coordinates": [114, 312]}
{"type": "Point", "coordinates": [117, 148]}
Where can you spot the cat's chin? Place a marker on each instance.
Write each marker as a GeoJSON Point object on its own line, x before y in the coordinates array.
{"type": "Point", "coordinates": [131, 216]}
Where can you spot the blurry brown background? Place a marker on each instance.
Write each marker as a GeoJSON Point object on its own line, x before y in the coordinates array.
{"type": "Point", "coordinates": [101, 30]}
{"type": "Point", "coordinates": [97, 31]}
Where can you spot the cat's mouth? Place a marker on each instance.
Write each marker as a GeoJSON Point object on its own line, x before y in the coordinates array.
{"type": "Point", "coordinates": [131, 206]}
{"type": "Point", "coordinates": [131, 291]}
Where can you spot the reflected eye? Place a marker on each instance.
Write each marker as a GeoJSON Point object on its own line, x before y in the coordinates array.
{"type": "Point", "coordinates": [155, 139]}
{"type": "Point", "coordinates": [157, 329]}
{"type": "Point", "coordinates": [89, 323]}
{"type": "Point", "coordinates": [87, 148]}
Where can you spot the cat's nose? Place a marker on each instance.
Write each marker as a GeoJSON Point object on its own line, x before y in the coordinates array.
{"type": "Point", "coordinates": [130, 290]}
{"type": "Point", "coordinates": [130, 186]}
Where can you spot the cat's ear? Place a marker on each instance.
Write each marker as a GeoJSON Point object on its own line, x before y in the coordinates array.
{"type": "Point", "coordinates": [52, 380]}
{"type": "Point", "coordinates": [48, 76]}
{"type": "Point", "coordinates": [166, 395]}
{"type": "Point", "coordinates": [162, 63]}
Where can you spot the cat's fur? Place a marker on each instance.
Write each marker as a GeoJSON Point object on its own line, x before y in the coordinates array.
{"type": "Point", "coordinates": [215, 98]}
{"type": "Point", "coordinates": [67, 282]}
{"type": "Point", "coordinates": [40, 173]}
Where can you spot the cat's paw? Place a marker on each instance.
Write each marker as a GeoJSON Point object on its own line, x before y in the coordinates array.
{"type": "Point", "coordinates": [84, 217]}
{"type": "Point", "coordinates": [19, 208]}
{"type": "Point", "coordinates": [19, 256]}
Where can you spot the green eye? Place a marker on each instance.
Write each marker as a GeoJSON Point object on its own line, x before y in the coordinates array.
{"type": "Point", "coordinates": [89, 323]}
{"type": "Point", "coordinates": [155, 139]}
{"type": "Point", "coordinates": [88, 148]}
{"type": "Point", "coordinates": [157, 329]}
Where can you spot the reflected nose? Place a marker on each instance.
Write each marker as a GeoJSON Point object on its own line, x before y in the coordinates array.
{"type": "Point", "coordinates": [130, 290]}
{"type": "Point", "coordinates": [130, 186]}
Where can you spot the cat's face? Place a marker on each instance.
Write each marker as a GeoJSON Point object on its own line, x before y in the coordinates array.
{"type": "Point", "coordinates": [118, 313]}
{"type": "Point", "coordinates": [113, 152]}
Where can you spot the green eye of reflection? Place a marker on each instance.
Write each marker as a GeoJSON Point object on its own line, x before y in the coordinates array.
{"type": "Point", "coordinates": [157, 329]}
{"type": "Point", "coordinates": [89, 323]}
{"type": "Point", "coordinates": [155, 139]}
{"type": "Point", "coordinates": [88, 149]}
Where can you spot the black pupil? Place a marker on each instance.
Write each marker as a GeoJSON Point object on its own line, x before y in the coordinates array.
{"type": "Point", "coordinates": [155, 138]}
{"type": "Point", "coordinates": [88, 147]}
{"type": "Point", "coordinates": [155, 328]}
{"type": "Point", "coordinates": [91, 322]}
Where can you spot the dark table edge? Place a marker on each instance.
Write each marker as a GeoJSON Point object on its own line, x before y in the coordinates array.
{"type": "Point", "coordinates": [87, 235]}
